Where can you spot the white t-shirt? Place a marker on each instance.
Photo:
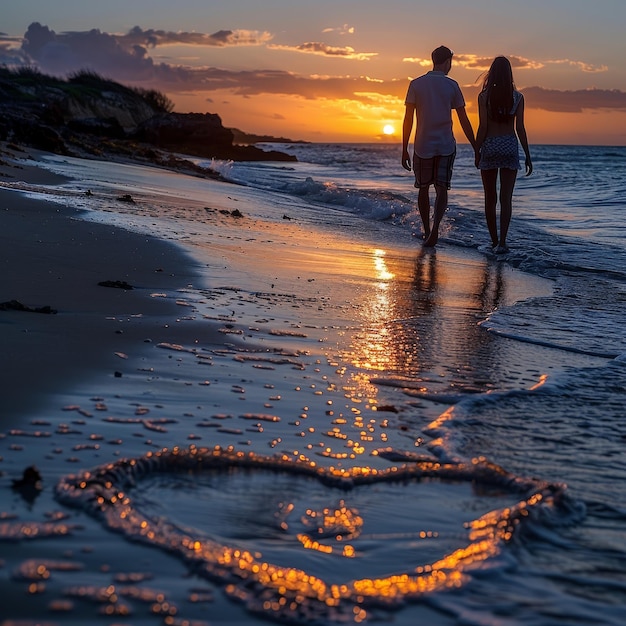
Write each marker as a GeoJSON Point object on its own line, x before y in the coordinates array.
{"type": "Point", "coordinates": [434, 95]}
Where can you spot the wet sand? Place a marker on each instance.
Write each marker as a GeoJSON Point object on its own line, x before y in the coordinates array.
{"type": "Point", "coordinates": [229, 344]}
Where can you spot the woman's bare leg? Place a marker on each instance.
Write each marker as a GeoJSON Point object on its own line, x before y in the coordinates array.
{"type": "Point", "coordinates": [507, 184]}
{"type": "Point", "coordinates": [491, 198]}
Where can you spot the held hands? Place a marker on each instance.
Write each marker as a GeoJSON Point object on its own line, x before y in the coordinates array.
{"type": "Point", "coordinates": [529, 166]}
{"type": "Point", "coordinates": [406, 160]}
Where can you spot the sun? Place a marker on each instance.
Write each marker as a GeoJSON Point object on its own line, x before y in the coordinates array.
{"type": "Point", "coordinates": [388, 129]}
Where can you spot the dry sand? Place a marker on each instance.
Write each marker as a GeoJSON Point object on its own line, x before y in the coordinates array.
{"type": "Point", "coordinates": [51, 258]}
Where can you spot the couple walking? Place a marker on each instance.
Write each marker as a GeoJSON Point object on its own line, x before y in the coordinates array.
{"type": "Point", "coordinates": [430, 100]}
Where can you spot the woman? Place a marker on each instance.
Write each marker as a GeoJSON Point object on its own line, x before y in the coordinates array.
{"type": "Point", "coordinates": [501, 116]}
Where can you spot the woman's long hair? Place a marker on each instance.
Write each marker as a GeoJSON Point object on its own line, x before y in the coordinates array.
{"type": "Point", "coordinates": [498, 85]}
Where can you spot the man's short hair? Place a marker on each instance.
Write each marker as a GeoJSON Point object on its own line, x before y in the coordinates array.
{"type": "Point", "coordinates": [441, 55]}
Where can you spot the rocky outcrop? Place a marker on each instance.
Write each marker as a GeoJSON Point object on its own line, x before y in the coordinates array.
{"type": "Point", "coordinates": [88, 115]}
{"type": "Point", "coordinates": [180, 131]}
{"type": "Point", "coordinates": [199, 134]}
{"type": "Point", "coordinates": [108, 105]}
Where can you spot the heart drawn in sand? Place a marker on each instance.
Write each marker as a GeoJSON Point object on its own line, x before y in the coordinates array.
{"type": "Point", "coordinates": [290, 593]}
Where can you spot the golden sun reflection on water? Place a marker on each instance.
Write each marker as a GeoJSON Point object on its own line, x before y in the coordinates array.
{"type": "Point", "coordinates": [418, 315]}
{"type": "Point", "coordinates": [382, 273]}
{"type": "Point", "coordinates": [371, 349]}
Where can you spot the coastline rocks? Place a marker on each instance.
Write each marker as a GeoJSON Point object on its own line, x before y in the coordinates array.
{"type": "Point", "coordinates": [184, 131]}
{"type": "Point", "coordinates": [200, 134]}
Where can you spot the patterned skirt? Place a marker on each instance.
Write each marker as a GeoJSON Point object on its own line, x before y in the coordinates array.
{"type": "Point", "coordinates": [500, 151]}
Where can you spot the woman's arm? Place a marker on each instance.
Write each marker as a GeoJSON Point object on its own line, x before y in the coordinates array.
{"type": "Point", "coordinates": [520, 128]}
{"type": "Point", "coordinates": [482, 124]}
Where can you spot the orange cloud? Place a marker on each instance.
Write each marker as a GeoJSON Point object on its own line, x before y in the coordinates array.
{"type": "Point", "coordinates": [473, 61]}
{"type": "Point", "coordinates": [342, 30]}
{"type": "Point", "coordinates": [584, 67]}
{"type": "Point", "coordinates": [476, 62]}
{"type": "Point", "coordinates": [152, 38]}
{"type": "Point", "coordinates": [418, 61]}
{"type": "Point", "coordinates": [313, 47]}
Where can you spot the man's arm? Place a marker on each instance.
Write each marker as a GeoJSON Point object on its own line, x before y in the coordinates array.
{"type": "Point", "coordinates": [466, 125]}
{"type": "Point", "coordinates": [407, 127]}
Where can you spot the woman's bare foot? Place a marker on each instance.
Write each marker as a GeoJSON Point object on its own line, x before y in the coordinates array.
{"type": "Point", "coordinates": [432, 239]}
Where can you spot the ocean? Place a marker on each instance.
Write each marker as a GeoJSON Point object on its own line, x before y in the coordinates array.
{"type": "Point", "coordinates": [402, 436]}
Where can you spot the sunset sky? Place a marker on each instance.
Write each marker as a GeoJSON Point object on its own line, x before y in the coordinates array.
{"type": "Point", "coordinates": [337, 70]}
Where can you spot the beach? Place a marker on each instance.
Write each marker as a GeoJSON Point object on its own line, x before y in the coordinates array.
{"type": "Point", "coordinates": [257, 396]}
{"type": "Point", "coordinates": [53, 258]}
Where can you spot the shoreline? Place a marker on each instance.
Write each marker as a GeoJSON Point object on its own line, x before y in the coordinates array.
{"type": "Point", "coordinates": [106, 322]}
{"type": "Point", "coordinates": [284, 347]}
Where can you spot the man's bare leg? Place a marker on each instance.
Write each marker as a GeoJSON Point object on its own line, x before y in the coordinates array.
{"type": "Point", "coordinates": [423, 203]}
{"type": "Point", "coordinates": [441, 204]}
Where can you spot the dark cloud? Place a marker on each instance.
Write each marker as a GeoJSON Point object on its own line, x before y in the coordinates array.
{"type": "Point", "coordinates": [152, 38]}
{"type": "Point", "coordinates": [125, 58]}
{"type": "Point", "coordinates": [64, 53]}
{"type": "Point", "coordinates": [11, 53]}
{"type": "Point", "coordinates": [278, 82]}
{"type": "Point", "coordinates": [575, 101]}
{"type": "Point", "coordinates": [564, 101]}
{"type": "Point", "coordinates": [254, 83]}
{"type": "Point", "coordinates": [11, 57]}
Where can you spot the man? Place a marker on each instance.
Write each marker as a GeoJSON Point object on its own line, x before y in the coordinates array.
{"type": "Point", "coordinates": [430, 99]}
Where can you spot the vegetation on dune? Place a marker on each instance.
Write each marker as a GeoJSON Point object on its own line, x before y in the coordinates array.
{"type": "Point", "coordinates": [27, 81]}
